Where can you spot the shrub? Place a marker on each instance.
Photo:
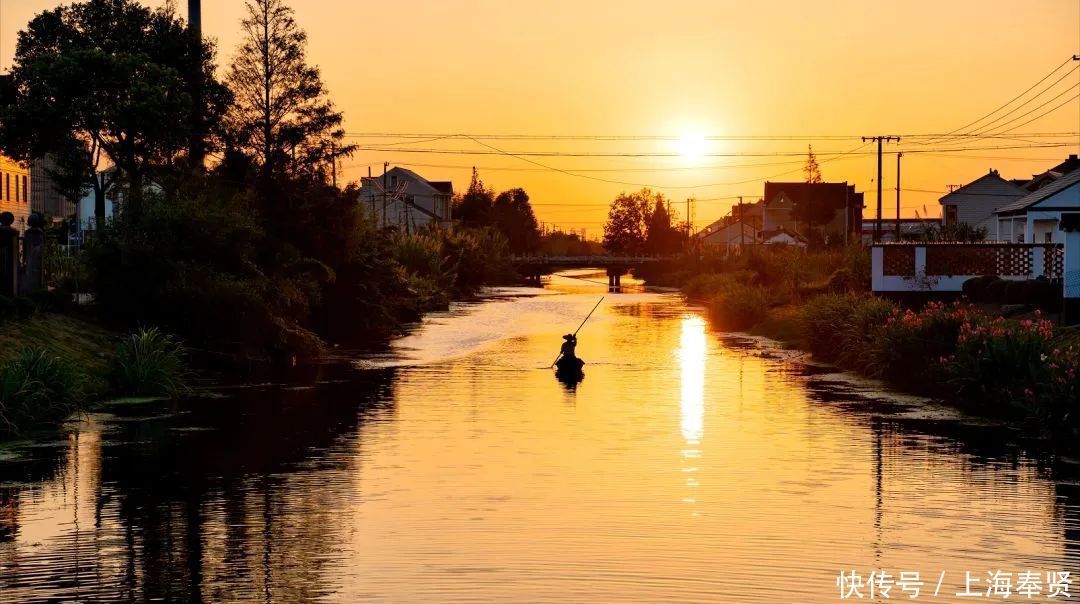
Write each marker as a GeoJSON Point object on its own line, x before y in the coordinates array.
{"type": "Point", "coordinates": [150, 363]}
{"type": "Point", "coordinates": [911, 345]}
{"type": "Point", "coordinates": [995, 291]}
{"type": "Point", "coordinates": [707, 285]}
{"type": "Point", "coordinates": [999, 361]}
{"type": "Point", "coordinates": [739, 306]}
{"type": "Point", "coordinates": [36, 388]}
{"type": "Point", "coordinates": [843, 328]}
{"type": "Point", "coordinates": [976, 287]}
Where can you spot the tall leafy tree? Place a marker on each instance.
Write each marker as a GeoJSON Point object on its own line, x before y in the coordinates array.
{"type": "Point", "coordinates": [661, 236]}
{"type": "Point", "coordinates": [514, 217]}
{"type": "Point", "coordinates": [476, 207]}
{"type": "Point", "coordinates": [626, 226]}
{"type": "Point", "coordinates": [282, 116]}
{"type": "Point", "coordinates": [103, 83]}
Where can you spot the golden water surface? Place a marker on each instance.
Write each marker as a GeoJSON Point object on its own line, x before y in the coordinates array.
{"type": "Point", "coordinates": [688, 466]}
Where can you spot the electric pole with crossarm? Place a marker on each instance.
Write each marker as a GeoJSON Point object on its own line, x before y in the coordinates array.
{"type": "Point", "coordinates": [880, 140]}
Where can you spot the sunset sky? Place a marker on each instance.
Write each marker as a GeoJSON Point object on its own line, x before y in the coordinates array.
{"type": "Point", "coordinates": [689, 69]}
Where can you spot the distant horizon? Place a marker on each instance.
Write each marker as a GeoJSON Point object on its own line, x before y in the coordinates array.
{"type": "Point", "coordinates": [435, 83]}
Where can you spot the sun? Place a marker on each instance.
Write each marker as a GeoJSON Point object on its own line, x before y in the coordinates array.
{"type": "Point", "coordinates": [692, 146]}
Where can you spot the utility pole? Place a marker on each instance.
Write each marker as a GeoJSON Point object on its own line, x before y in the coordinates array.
{"type": "Point", "coordinates": [880, 140]}
{"type": "Point", "coordinates": [688, 227]}
{"type": "Point", "coordinates": [899, 154]}
{"type": "Point", "coordinates": [197, 146]}
{"type": "Point", "coordinates": [385, 167]}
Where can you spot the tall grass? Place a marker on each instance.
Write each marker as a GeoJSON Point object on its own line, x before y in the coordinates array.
{"type": "Point", "coordinates": [150, 363]}
{"type": "Point", "coordinates": [38, 388]}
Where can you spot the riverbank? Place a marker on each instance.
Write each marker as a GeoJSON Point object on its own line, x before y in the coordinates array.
{"type": "Point", "coordinates": [957, 352]}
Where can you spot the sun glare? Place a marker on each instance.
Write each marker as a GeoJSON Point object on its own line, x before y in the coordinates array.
{"type": "Point", "coordinates": [692, 146]}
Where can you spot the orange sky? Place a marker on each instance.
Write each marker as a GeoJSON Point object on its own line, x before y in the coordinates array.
{"type": "Point", "coordinates": [694, 68]}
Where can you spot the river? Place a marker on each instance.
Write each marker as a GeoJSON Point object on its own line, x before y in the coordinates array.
{"type": "Point", "coordinates": [688, 466]}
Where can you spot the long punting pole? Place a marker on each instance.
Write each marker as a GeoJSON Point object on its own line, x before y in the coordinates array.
{"type": "Point", "coordinates": [580, 326]}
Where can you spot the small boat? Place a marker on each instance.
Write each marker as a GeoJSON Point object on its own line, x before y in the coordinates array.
{"type": "Point", "coordinates": [569, 369]}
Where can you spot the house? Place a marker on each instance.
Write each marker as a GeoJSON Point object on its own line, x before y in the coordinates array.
{"type": "Point", "coordinates": [783, 236]}
{"type": "Point", "coordinates": [829, 209]}
{"type": "Point", "coordinates": [15, 187]}
{"type": "Point", "coordinates": [728, 235]}
{"type": "Point", "coordinates": [403, 199]}
{"type": "Point", "coordinates": [1037, 216]}
{"type": "Point", "coordinates": [1039, 181]}
{"type": "Point", "coordinates": [45, 198]}
{"type": "Point", "coordinates": [975, 203]}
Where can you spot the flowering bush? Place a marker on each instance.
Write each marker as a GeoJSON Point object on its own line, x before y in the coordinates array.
{"type": "Point", "coordinates": [911, 344]}
{"type": "Point", "coordinates": [1018, 362]}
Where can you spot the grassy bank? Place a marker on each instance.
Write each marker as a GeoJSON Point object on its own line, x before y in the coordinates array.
{"type": "Point", "coordinates": [958, 352]}
{"type": "Point", "coordinates": [53, 365]}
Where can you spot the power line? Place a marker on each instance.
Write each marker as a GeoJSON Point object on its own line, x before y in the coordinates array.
{"type": "Point", "coordinates": [646, 137]}
{"type": "Point", "coordinates": [1010, 101]}
{"type": "Point", "coordinates": [985, 129]}
{"type": "Point", "coordinates": [523, 154]}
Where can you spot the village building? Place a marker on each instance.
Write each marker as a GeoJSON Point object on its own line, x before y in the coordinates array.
{"type": "Point", "coordinates": [828, 210]}
{"type": "Point", "coordinates": [1037, 217]}
{"type": "Point", "coordinates": [15, 187]}
{"type": "Point", "coordinates": [45, 196]}
{"type": "Point", "coordinates": [782, 236]}
{"type": "Point", "coordinates": [404, 200]}
{"type": "Point", "coordinates": [974, 204]}
{"type": "Point", "coordinates": [727, 235]}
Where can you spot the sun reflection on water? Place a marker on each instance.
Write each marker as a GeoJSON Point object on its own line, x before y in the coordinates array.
{"type": "Point", "coordinates": [691, 356]}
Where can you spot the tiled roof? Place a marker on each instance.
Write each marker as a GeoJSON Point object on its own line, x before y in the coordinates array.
{"type": "Point", "coordinates": [1031, 199]}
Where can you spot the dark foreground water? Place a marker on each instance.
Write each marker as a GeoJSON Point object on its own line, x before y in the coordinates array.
{"type": "Point", "coordinates": [687, 467]}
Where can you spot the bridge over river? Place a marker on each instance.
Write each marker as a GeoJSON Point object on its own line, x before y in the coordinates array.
{"type": "Point", "coordinates": [535, 267]}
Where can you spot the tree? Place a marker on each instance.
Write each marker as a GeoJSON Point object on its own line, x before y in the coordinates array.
{"type": "Point", "coordinates": [104, 82]}
{"type": "Point", "coordinates": [281, 115]}
{"type": "Point", "coordinates": [625, 229]}
{"type": "Point", "coordinates": [476, 207]}
{"type": "Point", "coordinates": [812, 170]}
{"type": "Point", "coordinates": [514, 217]}
{"type": "Point", "coordinates": [661, 236]}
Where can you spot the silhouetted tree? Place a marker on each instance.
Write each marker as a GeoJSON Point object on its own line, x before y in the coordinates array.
{"type": "Point", "coordinates": [812, 170]}
{"type": "Point", "coordinates": [476, 207]}
{"type": "Point", "coordinates": [661, 236]}
{"type": "Point", "coordinates": [625, 229]}
{"type": "Point", "coordinates": [514, 218]}
{"type": "Point", "coordinates": [104, 82]}
{"type": "Point", "coordinates": [281, 115]}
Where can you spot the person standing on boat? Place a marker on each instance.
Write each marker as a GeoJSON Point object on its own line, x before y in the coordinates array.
{"type": "Point", "coordinates": [569, 346]}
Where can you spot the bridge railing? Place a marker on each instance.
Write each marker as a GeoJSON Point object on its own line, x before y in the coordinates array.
{"type": "Point", "coordinates": [595, 260]}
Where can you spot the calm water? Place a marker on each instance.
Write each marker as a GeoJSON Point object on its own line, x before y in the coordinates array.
{"type": "Point", "coordinates": [687, 467]}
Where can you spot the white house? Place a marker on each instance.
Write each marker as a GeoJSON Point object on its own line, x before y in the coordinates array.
{"type": "Point", "coordinates": [1036, 217]}
{"type": "Point", "coordinates": [403, 199]}
{"type": "Point", "coordinates": [783, 236]}
{"type": "Point", "coordinates": [976, 202]}
{"type": "Point", "coordinates": [729, 236]}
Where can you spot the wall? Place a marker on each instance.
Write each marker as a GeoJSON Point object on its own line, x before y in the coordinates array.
{"type": "Point", "coordinates": [14, 197]}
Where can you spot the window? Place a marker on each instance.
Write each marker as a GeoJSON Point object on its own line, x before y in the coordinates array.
{"type": "Point", "coordinates": [7, 187]}
{"type": "Point", "coordinates": [25, 190]}
{"type": "Point", "coordinates": [16, 189]}
{"type": "Point", "coordinates": [1048, 236]}
{"type": "Point", "coordinates": [950, 214]}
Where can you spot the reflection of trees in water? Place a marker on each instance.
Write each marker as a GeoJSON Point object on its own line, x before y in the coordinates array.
{"type": "Point", "coordinates": [244, 510]}
{"type": "Point", "coordinates": [661, 309]}
{"type": "Point", "coordinates": [22, 477]}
